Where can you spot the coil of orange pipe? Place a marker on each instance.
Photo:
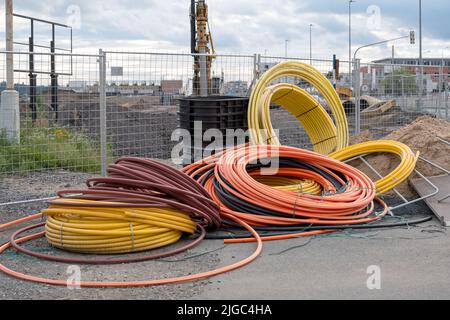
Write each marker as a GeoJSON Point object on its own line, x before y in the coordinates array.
{"type": "Point", "coordinates": [349, 200]}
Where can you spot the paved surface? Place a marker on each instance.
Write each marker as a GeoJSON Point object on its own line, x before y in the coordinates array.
{"type": "Point", "coordinates": [440, 208]}
{"type": "Point", "coordinates": [336, 268]}
{"type": "Point", "coordinates": [414, 263]}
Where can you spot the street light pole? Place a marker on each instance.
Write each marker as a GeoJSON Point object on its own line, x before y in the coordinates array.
{"type": "Point", "coordinates": [443, 55]}
{"type": "Point", "coordinates": [420, 55]}
{"type": "Point", "coordinates": [377, 43]}
{"type": "Point", "coordinates": [445, 87]}
{"type": "Point", "coordinates": [442, 86]}
{"type": "Point", "coordinates": [420, 34]}
{"type": "Point", "coordinates": [350, 39]}
{"type": "Point", "coordinates": [286, 48]}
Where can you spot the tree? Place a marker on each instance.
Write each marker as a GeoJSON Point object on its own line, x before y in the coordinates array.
{"type": "Point", "coordinates": [400, 82]}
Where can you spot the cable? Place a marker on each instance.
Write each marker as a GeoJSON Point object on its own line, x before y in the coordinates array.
{"type": "Point", "coordinates": [20, 221]}
{"type": "Point", "coordinates": [263, 233]}
{"type": "Point", "coordinates": [141, 205]}
{"type": "Point", "coordinates": [398, 175]}
{"type": "Point", "coordinates": [259, 117]}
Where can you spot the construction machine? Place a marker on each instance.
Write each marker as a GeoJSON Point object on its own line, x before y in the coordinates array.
{"type": "Point", "coordinates": [202, 47]}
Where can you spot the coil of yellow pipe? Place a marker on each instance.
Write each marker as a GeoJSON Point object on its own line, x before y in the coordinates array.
{"type": "Point", "coordinates": [326, 137]}
{"type": "Point", "coordinates": [309, 112]}
{"type": "Point", "coordinates": [109, 230]}
{"type": "Point", "coordinates": [408, 160]}
{"type": "Point", "coordinates": [289, 184]}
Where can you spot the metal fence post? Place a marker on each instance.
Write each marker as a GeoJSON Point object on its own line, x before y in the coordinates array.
{"type": "Point", "coordinates": [256, 72]}
{"type": "Point", "coordinates": [256, 64]}
{"type": "Point", "coordinates": [446, 96]}
{"type": "Point", "coordinates": [357, 88]}
{"type": "Point", "coordinates": [102, 101]}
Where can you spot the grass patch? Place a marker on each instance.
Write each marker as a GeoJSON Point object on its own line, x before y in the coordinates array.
{"type": "Point", "coordinates": [49, 149]}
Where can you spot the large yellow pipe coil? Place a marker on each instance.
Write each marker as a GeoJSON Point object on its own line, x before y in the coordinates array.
{"type": "Point", "coordinates": [109, 230]}
{"type": "Point", "coordinates": [300, 103]}
{"type": "Point", "coordinates": [408, 160]}
{"type": "Point", "coordinates": [317, 123]}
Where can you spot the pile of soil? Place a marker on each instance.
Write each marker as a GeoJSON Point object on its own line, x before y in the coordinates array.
{"type": "Point", "coordinates": [424, 135]}
{"type": "Point", "coordinates": [362, 137]}
{"type": "Point", "coordinates": [421, 136]}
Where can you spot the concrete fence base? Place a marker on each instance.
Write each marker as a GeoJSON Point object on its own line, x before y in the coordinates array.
{"type": "Point", "coordinates": [9, 115]}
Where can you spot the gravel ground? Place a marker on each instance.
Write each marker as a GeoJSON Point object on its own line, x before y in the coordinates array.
{"type": "Point", "coordinates": [41, 185]}
{"type": "Point", "coordinates": [319, 267]}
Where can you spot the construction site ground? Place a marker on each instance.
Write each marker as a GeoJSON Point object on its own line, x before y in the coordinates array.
{"type": "Point", "coordinates": [414, 262]}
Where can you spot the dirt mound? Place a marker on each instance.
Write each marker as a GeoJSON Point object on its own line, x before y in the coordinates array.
{"type": "Point", "coordinates": [423, 135]}
{"type": "Point", "coordinates": [362, 137]}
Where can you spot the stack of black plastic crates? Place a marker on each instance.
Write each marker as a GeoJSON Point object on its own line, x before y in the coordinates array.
{"type": "Point", "coordinates": [200, 114]}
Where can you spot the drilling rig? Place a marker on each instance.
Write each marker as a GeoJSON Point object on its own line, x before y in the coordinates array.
{"type": "Point", "coordinates": [203, 47]}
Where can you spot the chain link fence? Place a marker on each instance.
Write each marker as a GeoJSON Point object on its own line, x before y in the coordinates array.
{"type": "Point", "coordinates": [125, 103]}
{"type": "Point", "coordinates": [54, 134]}
{"type": "Point", "coordinates": [142, 91]}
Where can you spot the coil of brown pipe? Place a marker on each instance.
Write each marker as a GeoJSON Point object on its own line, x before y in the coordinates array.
{"type": "Point", "coordinates": [136, 182]}
{"type": "Point", "coordinates": [150, 184]}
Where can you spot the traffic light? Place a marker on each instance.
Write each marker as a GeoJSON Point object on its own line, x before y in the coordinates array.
{"type": "Point", "coordinates": [336, 64]}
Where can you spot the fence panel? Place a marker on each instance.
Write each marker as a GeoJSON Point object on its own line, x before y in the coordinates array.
{"type": "Point", "coordinates": [390, 96]}
{"type": "Point", "coordinates": [142, 92]}
{"type": "Point", "coordinates": [59, 127]}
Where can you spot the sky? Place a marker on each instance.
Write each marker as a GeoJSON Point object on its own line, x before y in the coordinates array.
{"type": "Point", "coordinates": [242, 27]}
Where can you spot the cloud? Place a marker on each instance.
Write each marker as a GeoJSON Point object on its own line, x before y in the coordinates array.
{"type": "Point", "coordinates": [245, 26]}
